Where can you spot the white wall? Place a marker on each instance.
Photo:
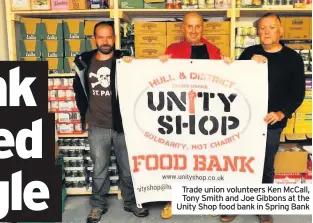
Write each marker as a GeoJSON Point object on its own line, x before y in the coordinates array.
{"type": "Point", "coordinates": [3, 33]}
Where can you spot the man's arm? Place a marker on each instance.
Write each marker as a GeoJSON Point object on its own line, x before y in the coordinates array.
{"type": "Point", "coordinates": [297, 87]}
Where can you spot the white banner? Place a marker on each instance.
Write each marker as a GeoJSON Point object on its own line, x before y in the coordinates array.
{"type": "Point", "coordinates": [192, 121]}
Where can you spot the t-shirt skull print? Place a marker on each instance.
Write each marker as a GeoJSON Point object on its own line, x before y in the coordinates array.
{"type": "Point", "coordinates": [100, 106]}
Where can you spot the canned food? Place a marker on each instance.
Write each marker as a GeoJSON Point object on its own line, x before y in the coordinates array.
{"type": "Point", "coordinates": [71, 153]}
{"type": "Point", "coordinates": [210, 4]}
{"type": "Point", "coordinates": [57, 82]}
{"type": "Point", "coordinates": [53, 94]}
{"type": "Point", "coordinates": [78, 116]}
{"type": "Point", "coordinates": [50, 82]}
{"type": "Point", "coordinates": [69, 174]}
{"type": "Point", "coordinates": [78, 127]}
{"type": "Point", "coordinates": [239, 31]}
{"type": "Point", "coordinates": [64, 82]}
{"type": "Point", "coordinates": [58, 128]}
{"type": "Point", "coordinates": [49, 106]}
{"type": "Point", "coordinates": [252, 31]}
{"type": "Point", "coordinates": [70, 82]}
{"type": "Point", "coordinates": [244, 31]}
{"type": "Point", "coordinates": [66, 163]}
{"type": "Point", "coordinates": [75, 142]}
{"type": "Point", "coordinates": [72, 163]}
{"type": "Point", "coordinates": [60, 142]}
{"type": "Point", "coordinates": [75, 184]}
{"type": "Point", "coordinates": [65, 142]}
{"type": "Point", "coordinates": [69, 93]}
{"type": "Point", "coordinates": [61, 93]}
{"type": "Point", "coordinates": [80, 184]}
{"type": "Point", "coordinates": [71, 127]}
{"type": "Point", "coordinates": [68, 184]}
{"type": "Point", "coordinates": [87, 153]}
{"type": "Point", "coordinates": [80, 163]}
{"type": "Point", "coordinates": [90, 164]}
{"type": "Point", "coordinates": [239, 41]}
{"type": "Point", "coordinates": [81, 142]}
{"type": "Point", "coordinates": [80, 173]}
{"type": "Point", "coordinates": [54, 105]}
{"type": "Point", "coordinates": [79, 153]}
{"type": "Point", "coordinates": [75, 173]}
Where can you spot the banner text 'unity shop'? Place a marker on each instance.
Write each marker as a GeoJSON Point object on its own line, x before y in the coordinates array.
{"type": "Point", "coordinates": [167, 100]}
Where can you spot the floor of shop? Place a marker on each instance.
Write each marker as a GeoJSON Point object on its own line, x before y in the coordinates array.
{"type": "Point", "coordinates": [77, 208]}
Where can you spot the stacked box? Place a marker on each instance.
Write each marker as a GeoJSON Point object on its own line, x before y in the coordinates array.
{"type": "Point", "coordinates": [150, 39]}
{"type": "Point", "coordinates": [290, 125]}
{"type": "Point", "coordinates": [78, 4]}
{"type": "Point", "coordinates": [218, 33]}
{"type": "Point", "coordinates": [88, 31]}
{"type": "Point", "coordinates": [74, 41]}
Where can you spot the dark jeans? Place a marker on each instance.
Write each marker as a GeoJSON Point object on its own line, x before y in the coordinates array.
{"type": "Point", "coordinates": [272, 145]}
{"type": "Point", "coordinates": [100, 141]}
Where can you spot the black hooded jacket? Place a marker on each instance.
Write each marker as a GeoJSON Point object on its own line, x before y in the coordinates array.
{"type": "Point", "coordinates": [81, 87]}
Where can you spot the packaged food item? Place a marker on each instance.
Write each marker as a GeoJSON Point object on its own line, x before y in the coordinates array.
{"type": "Point", "coordinates": [53, 94]}
{"type": "Point", "coordinates": [60, 4]}
{"type": "Point", "coordinates": [21, 5]}
{"type": "Point", "coordinates": [78, 127]}
{"type": "Point", "coordinates": [54, 105]}
{"type": "Point", "coordinates": [65, 82]}
{"type": "Point", "coordinates": [40, 4]}
{"type": "Point", "coordinates": [68, 184]}
{"type": "Point", "coordinates": [80, 163]}
{"type": "Point", "coordinates": [57, 82]}
{"type": "Point", "coordinates": [61, 93]}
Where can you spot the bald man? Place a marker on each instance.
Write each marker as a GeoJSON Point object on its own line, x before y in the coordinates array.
{"type": "Point", "coordinates": [97, 101]}
{"type": "Point", "coordinates": [194, 46]}
{"type": "Point", "coordinates": [286, 84]}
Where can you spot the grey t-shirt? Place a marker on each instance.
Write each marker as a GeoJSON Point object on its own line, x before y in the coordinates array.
{"type": "Point", "coordinates": [100, 106]}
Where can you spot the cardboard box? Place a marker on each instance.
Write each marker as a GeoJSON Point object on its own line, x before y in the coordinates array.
{"type": "Point", "coordinates": [299, 46]}
{"type": "Point", "coordinates": [131, 4]}
{"type": "Point", "coordinates": [298, 28]}
{"type": "Point", "coordinates": [30, 59]}
{"type": "Point", "coordinates": [60, 4]}
{"type": "Point", "coordinates": [220, 41]}
{"type": "Point", "coordinates": [284, 159]}
{"type": "Point", "coordinates": [52, 29]}
{"type": "Point", "coordinates": [52, 48]}
{"type": "Point", "coordinates": [55, 65]}
{"type": "Point", "coordinates": [170, 39]}
{"type": "Point", "coordinates": [68, 65]}
{"type": "Point", "coordinates": [149, 53]}
{"type": "Point", "coordinates": [89, 27]}
{"type": "Point", "coordinates": [78, 4]}
{"type": "Point", "coordinates": [30, 48]}
{"type": "Point", "coordinates": [74, 47]}
{"type": "Point", "coordinates": [288, 130]}
{"type": "Point", "coordinates": [216, 28]}
{"type": "Point", "coordinates": [148, 28]}
{"type": "Point", "coordinates": [154, 5]}
{"type": "Point", "coordinates": [30, 29]}
{"type": "Point", "coordinates": [304, 109]}
{"type": "Point", "coordinates": [148, 41]}
{"type": "Point", "coordinates": [304, 115]}
{"type": "Point", "coordinates": [98, 4]}
{"type": "Point", "coordinates": [41, 4]}
{"type": "Point", "coordinates": [73, 28]}
{"type": "Point", "coordinates": [284, 178]}
{"type": "Point", "coordinates": [20, 5]}
{"type": "Point", "coordinates": [174, 28]}
{"type": "Point", "coordinates": [90, 44]}
{"type": "Point", "coordinates": [283, 25]}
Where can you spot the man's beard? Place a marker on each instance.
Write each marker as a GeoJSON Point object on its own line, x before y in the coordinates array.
{"type": "Point", "coordinates": [103, 50]}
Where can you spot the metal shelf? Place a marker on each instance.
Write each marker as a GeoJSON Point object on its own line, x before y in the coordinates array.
{"type": "Point", "coordinates": [64, 13]}
{"type": "Point", "coordinates": [62, 75]}
{"type": "Point", "coordinates": [73, 135]}
{"type": "Point", "coordinates": [128, 14]}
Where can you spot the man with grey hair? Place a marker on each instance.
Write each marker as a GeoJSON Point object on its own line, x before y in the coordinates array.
{"type": "Point", "coordinates": [286, 85]}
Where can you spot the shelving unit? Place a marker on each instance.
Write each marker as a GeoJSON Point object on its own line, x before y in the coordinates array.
{"type": "Point", "coordinates": [127, 15]}
{"type": "Point", "coordinates": [118, 15]}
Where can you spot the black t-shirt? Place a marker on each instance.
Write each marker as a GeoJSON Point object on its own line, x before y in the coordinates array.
{"type": "Point", "coordinates": [286, 80]}
{"type": "Point", "coordinates": [100, 94]}
{"type": "Point", "coordinates": [199, 52]}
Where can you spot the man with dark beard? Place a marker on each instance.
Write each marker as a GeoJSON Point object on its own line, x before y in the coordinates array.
{"type": "Point", "coordinates": [96, 98]}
